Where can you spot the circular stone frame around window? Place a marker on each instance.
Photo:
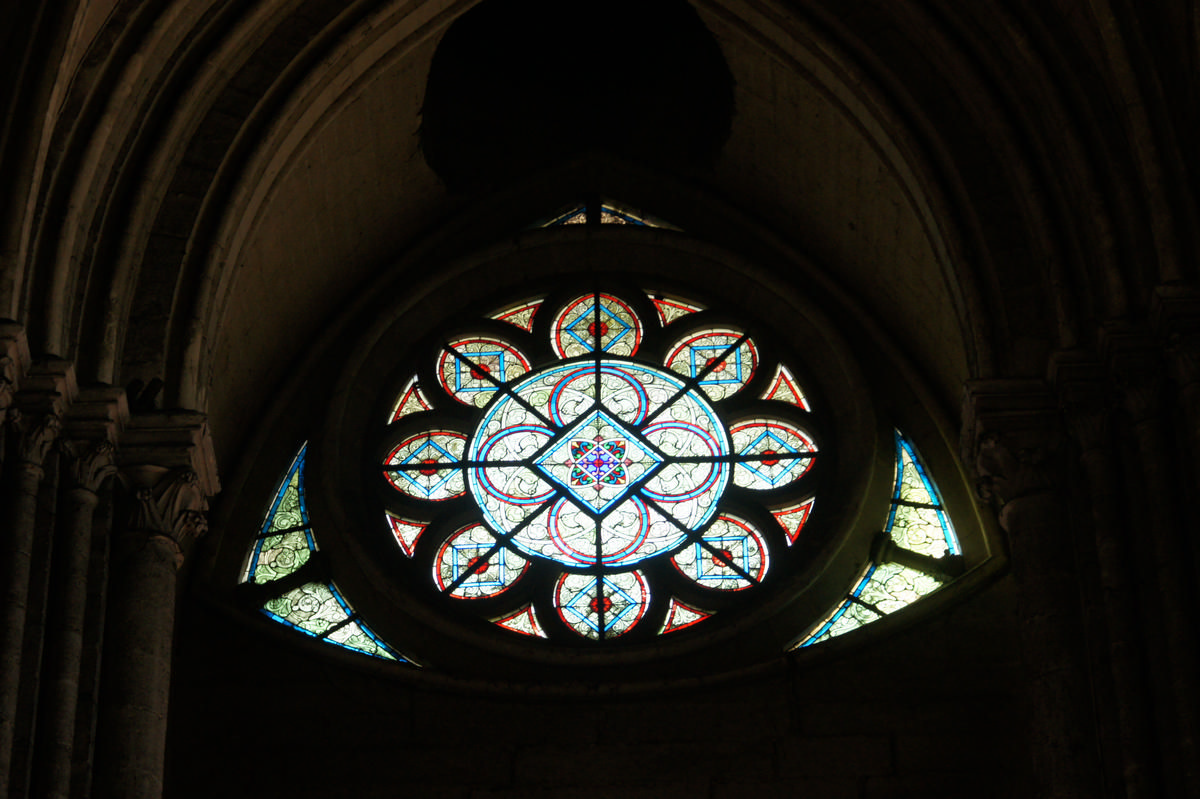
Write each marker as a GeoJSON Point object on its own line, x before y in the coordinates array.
{"type": "Point", "coordinates": [395, 592]}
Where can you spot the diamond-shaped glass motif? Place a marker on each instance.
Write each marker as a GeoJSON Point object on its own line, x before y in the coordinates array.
{"type": "Point", "coordinates": [597, 460]}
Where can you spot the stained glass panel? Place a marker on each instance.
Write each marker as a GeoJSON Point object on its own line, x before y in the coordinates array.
{"type": "Point", "coordinates": [523, 621]}
{"type": "Point", "coordinates": [319, 610]}
{"type": "Point", "coordinates": [406, 532]}
{"type": "Point", "coordinates": [918, 521]}
{"type": "Point", "coordinates": [278, 556]}
{"type": "Point", "coordinates": [357, 637]}
{"type": "Point", "coordinates": [601, 607]}
{"type": "Point", "coordinates": [793, 518]}
{"type": "Point", "coordinates": [313, 608]}
{"type": "Point", "coordinates": [469, 368]}
{"type": "Point", "coordinates": [581, 321]}
{"type": "Point", "coordinates": [731, 556]}
{"type": "Point", "coordinates": [285, 541]}
{"type": "Point", "coordinates": [726, 364]}
{"type": "Point", "coordinates": [411, 400]}
{"type": "Point", "coordinates": [776, 453]}
{"type": "Point", "coordinates": [671, 308]}
{"type": "Point", "coordinates": [681, 616]}
{"type": "Point", "coordinates": [784, 388]}
{"type": "Point", "coordinates": [520, 314]}
{"type": "Point", "coordinates": [288, 509]}
{"type": "Point", "coordinates": [470, 566]}
{"type": "Point", "coordinates": [433, 465]}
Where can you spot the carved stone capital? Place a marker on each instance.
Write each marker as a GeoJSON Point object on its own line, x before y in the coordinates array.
{"type": "Point", "coordinates": [1012, 435]}
{"type": "Point", "coordinates": [1009, 469]}
{"type": "Point", "coordinates": [35, 434]}
{"type": "Point", "coordinates": [169, 505]}
{"type": "Point", "coordinates": [89, 464]}
{"type": "Point", "coordinates": [14, 361]}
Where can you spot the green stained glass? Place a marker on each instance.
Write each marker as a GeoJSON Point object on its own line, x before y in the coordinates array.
{"type": "Point", "coordinates": [279, 555]}
{"type": "Point", "coordinates": [289, 510]}
{"type": "Point", "coordinates": [313, 608]}
{"type": "Point", "coordinates": [319, 610]}
{"type": "Point", "coordinates": [285, 541]}
{"type": "Point", "coordinates": [356, 637]}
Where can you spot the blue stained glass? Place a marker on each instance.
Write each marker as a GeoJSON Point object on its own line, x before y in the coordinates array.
{"type": "Point", "coordinates": [701, 356]}
{"type": "Point", "coordinates": [583, 329]}
{"type": "Point", "coordinates": [293, 481]}
{"type": "Point", "coordinates": [622, 605]}
{"type": "Point", "coordinates": [914, 486]}
{"type": "Point", "coordinates": [430, 451]}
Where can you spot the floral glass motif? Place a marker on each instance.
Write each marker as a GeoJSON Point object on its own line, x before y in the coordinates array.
{"type": "Point", "coordinates": [609, 455]}
{"type": "Point", "coordinates": [921, 535]}
{"type": "Point", "coordinates": [317, 609]}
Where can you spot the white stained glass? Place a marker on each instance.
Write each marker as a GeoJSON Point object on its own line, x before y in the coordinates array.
{"type": "Point", "coordinates": [520, 314]}
{"type": "Point", "coordinates": [671, 308]}
{"type": "Point", "coordinates": [470, 566]}
{"type": "Point", "coordinates": [433, 465]}
{"type": "Point", "coordinates": [708, 353]}
{"type": "Point", "coordinates": [584, 321]}
{"type": "Point", "coordinates": [406, 532]}
{"type": "Point", "coordinates": [470, 368]}
{"type": "Point", "coordinates": [793, 518]}
{"type": "Point", "coordinates": [680, 616]}
{"type": "Point", "coordinates": [784, 388]}
{"type": "Point", "coordinates": [918, 521]}
{"type": "Point", "coordinates": [523, 621]}
{"type": "Point", "coordinates": [601, 607]}
{"type": "Point", "coordinates": [777, 453]}
{"type": "Point", "coordinates": [357, 637]}
{"type": "Point", "coordinates": [731, 556]}
{"type": "Point", "coordinates": [411, 400]}
{"type": "Point", "coordinates": [884, 589]}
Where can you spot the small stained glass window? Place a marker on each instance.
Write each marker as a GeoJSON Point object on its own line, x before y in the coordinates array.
{"type": "Point", "coordinates": [278, 560]}
{"type": "Point", "coordinates": [605, 465]}
{"type": "Point", "coordinates": [920, 541]}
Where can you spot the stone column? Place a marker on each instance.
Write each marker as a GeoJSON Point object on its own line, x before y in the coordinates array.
{"type": "Point", "coordinates": [1088, 404]}
{"type": "Point", "coordinates": [1012, 432]}
{"type": "Point", "coordinates": [168, 474]}
{"type": "Point", "coordinates": [33, 426]}
{"type": "Point", "coordinates": [88, 466]}
{"type": "Point", "coordinates": [1140, 374]}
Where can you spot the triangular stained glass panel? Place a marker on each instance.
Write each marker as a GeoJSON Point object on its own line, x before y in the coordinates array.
{"type": "Point", "coordinates": [285, 540]}
{"type": "Point", "coordinates": [785, 389]}
{"type": "Point", "coordinates": [671, 308]}
{"type": "Point", "coordinates": [793, 518]}
{"type": "Point", "coordinates": [523, 622]}
{"type": "Point", "coordinates": [406, 532]}
{"type": "Point", "coordinates": [411, 401]}
{"type": "Point", "coordinates": [320, 611]}
{"type": "Point", "coordinates": [918, 520]}
{"type": "Point", "coordinates": [520, 315]}
{"type": "Point", "coordinates": [681, 616]}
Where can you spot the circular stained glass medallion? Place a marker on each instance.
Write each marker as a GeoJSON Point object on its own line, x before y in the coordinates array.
{"type": "Point", "coordinates": [605, 470]}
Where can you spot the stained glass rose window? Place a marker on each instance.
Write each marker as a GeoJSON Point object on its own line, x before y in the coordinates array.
{"type": "Point", "coordinates": [605, 465]}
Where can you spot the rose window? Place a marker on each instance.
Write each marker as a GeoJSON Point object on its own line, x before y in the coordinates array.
{"type": "Point", "coordinates": [598, 466]}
